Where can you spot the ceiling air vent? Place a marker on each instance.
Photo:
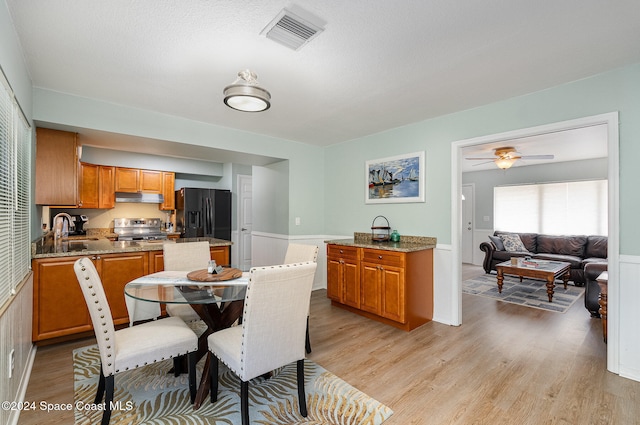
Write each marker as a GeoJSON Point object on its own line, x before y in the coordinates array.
{"type": "Point", "coordinates": [291, 30]}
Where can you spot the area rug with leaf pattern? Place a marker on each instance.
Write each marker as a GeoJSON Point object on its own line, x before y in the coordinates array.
{"type": "Point", "coordinates": [150, 395]}
{"type": "Point", "coordinates": [529, 292]}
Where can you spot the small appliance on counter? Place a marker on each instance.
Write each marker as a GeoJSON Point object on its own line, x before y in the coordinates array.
{"type": "Point", "coordinates": [138, 229]}
{"type": "Point", "coordinates": [78, 224]}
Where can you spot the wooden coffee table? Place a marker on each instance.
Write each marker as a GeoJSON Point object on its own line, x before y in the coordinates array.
{"type": "Point", "coordinates": [546, 270]}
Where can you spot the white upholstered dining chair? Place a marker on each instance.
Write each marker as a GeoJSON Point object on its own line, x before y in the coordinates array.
{"type": "Point", "coordinates": [185, 256]}
{"type": "Point", "coordinates": [300, 253]}
{"type": "Point", "coordinates": [272, 333]}
{"type": "Point", "coordinates": [131, 347]}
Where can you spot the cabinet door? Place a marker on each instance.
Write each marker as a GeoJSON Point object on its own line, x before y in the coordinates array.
{"type": "Point", "coordinates": [127, 179]}
{"type": "Point", "coordinates": [371, 299]}
{"type": "Point", "coordinates": [56, 168]}
{"type": "Point", "coordinates": [59, 308]}
{"type": "Point", "coordinates": [150, 181]}
{"type": "Point", "coordinates": [392, 286]}
{"type": "Point", "coordinates": [116, 270]}
{"type": "Point", "coordinates": [221, 255]}
{"type": "Point", "coordinates": [351, 283]}
{"type": "Point", "coordinates": [168, 191]}
{"type": "Point", "coordinates": [334, 279]}
{"type": "Point", "coordinates": [89, 186]}
{"type": "Point", "coordinates": [106, 188]}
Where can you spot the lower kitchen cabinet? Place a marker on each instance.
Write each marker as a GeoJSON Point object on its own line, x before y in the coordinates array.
{"type": "Point", "coordinates": [343, 275]}
{"type": "Point", "coordinates": [219, 253]}
{"type": "Point", "coordinates": [393, 287]}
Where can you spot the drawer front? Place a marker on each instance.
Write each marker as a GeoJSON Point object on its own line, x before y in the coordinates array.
{"type": "Point", "coordinates": [342, 251]}
{"type": "Point", "coordinates": [380, 256]}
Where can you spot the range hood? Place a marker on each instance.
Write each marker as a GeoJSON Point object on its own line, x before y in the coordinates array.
{"type": "Point", "coordinates": [139, 197]}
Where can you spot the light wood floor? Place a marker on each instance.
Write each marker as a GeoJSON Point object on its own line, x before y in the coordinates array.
{"type": "Point", "coordinates": [506, 364]}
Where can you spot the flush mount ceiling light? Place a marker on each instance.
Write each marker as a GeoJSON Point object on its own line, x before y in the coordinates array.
{"type": "Point", "coordinates": [244, 94]}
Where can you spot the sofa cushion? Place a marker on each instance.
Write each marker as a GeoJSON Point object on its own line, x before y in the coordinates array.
{"type": "Point", "coordinates": [501, 256]}
{"type": "Point", "coordinates": [497, 241]}
{"type": "Point", "coordinates": [513, 243]}
{"type": "Point", "coordinates": [529, 240]}
{"type": "Point", "coordinates": [564, 245]}
{"type": "Point", "coordinates": [596, 247]}
{"type": "Point", "coordinates": [576, 262]}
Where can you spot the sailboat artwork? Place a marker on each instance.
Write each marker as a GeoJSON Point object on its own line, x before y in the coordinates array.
{"type": "Point", "coordinates": [395, 179]}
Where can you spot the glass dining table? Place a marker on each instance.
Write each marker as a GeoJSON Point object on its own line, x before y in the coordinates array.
{"type": "Point", "coordinates": [218, 303]}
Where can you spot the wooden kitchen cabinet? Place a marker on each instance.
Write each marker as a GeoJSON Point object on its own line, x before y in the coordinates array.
{"type": "Point", "coordinates": [96, 186]}
{"type": "Point", "coordinates": [168, 191]}
{"type": "Point", "coordinates": [107, 187]}
{"type": "Point", "coordinates": [59, 308]}
{"type": "Point", "coordinates": [127, 179]}
{"type": "Point", "coordinates": [88, 184]}
{"type": "Point", "coordinates": [151, 181]}
{"type": "Point", "coordinates": [343, 275]}
{"type": "Point", "coordinates": [393, 287]}
{"type": "Point", "coordinates": [56, 168]}
{"type": "Point", "coordinates": [116, 270]}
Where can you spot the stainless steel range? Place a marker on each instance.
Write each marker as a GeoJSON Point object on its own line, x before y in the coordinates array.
{"type": "Point", "coordinates": [138, 229]}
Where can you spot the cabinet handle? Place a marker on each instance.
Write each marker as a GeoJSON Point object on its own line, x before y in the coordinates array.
{"type": "Point", "coordinates": [379, 257]}
{"type": "Point", "coordinates": [341, 252]}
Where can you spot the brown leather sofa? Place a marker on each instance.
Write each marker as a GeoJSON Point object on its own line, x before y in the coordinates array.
{"type": "Point", "coordinates": [577, 250]}
{"type": "Point", "coordinates": [592, 287]}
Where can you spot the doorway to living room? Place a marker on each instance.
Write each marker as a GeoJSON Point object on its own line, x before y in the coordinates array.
{"type": "Point", "coordinates": [610, 121]}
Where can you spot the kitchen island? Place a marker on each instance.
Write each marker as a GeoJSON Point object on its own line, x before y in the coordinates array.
{"type": "Point", "coordinates": [390, 282]}
{"type": "Point", "coordinates": [59, 309]}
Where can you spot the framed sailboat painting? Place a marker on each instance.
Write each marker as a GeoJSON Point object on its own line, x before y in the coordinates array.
{"type": "Point", "coordinates": [395, 179]}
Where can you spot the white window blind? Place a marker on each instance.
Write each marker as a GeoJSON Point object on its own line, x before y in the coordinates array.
{"type": "Point", "coordinates": [568, 208]}
{"type": "Point", "coordinates": [15, 183]}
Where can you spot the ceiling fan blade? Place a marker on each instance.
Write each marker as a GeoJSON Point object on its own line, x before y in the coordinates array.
{"type": "Point", "coordinates": [537, 157]}
{"type": "Point", "coordinates": [482, 163]}
{"type": "Point", "coordinates": [480, 158]}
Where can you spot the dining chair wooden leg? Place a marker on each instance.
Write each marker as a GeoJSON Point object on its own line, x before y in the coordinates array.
{"type": "Point", "coordinates": [302, 398]}
{"type": "Point", "coordinates": [191, 359]}
{"type": "Point", "coordinates": [244, 402]}
{"type": "Point", "coordinates": [109, 387]}
{"type": "Point", "coordinates": [307, 342]}
{"type": "Point", "coordinates": [100, 391]}
{"type": "Point", "coordinates": [213, 377]}
{"type": "Point", "coordinates": [177, 366]}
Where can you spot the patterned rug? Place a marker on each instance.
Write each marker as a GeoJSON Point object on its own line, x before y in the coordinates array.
{"type": "Point", "coordinates": [529, 292]}
{"type": "Point", "coordinates": [150, 395]}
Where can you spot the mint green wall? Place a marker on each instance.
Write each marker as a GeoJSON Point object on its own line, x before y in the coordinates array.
{"type": "Point", "coordinates": [305, 182]}
{"type": "Point", "coordinates": [485, 181]}
{"type": "Point", "coordinates": [345, 211]}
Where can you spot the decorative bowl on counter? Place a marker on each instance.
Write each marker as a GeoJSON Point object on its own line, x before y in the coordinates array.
{"type": "Point", "coordinates": [380, 233]}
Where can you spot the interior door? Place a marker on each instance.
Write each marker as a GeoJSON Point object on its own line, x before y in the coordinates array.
{"type": "Point", "coordinates": [467, 223]}
{"type": "Point", "coordinates": [245, 221]}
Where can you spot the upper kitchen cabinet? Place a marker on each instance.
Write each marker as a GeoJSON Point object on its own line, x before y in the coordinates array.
{"type": "Point", "coordinates": [56, 168]}
{"type": "Point", "coordinates": [168, 191]}
{"type": "Point", "coordinates": [96, 186]}
{"type": "Point", "coordinates": [135, 180]}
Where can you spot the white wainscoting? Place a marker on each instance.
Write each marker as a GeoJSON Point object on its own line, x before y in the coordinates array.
{"type": "Point", "coordinates": [269, 248]}
{"type": "Point", "coordinates": [628, 295]}
{"type": "Point", "coordinates": [15, 334]}
{"type": "Point", "coordinates": [445, 299]}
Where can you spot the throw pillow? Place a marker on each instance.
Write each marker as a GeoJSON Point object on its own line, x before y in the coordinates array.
{"type": "Point", "coordinates": [513, 243]}
{"type": "Point", "coordinates": [497, 242]}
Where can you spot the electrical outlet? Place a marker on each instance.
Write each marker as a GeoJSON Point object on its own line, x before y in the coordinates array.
{"type": "Point", "coordinates": [297, 221]}
{"type": "Point", "coordinates": [485, 218]}
{"type": "Point", "coordinates": [12, 362]}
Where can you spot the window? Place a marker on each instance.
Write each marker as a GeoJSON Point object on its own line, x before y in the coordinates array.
{"type": "Point", "coordinates": [569, 208]}
{"type": "Point", "coordinates": [15, 184]}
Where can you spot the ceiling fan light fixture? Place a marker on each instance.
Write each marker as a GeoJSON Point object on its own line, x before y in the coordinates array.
{"type": "Point", "coordinates": [504, 163]}
{"type": "Point", "coordinates": [246, 95]}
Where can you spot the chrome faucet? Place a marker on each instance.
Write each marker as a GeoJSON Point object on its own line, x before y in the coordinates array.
{"type": "Point", "coordinates": [61, 225]}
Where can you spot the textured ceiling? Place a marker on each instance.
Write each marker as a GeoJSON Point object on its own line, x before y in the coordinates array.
{"type": "Point", "coordinates": [379, 64]}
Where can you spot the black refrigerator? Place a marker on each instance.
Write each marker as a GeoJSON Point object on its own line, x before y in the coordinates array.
{"type": "Point", "coordinates": [203, 213]}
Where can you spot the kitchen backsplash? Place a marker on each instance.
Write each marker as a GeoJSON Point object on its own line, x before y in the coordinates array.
{"type": "Point", "coordinates": [104, 218]}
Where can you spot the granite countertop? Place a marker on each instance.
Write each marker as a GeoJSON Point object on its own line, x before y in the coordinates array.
{"type": "Point", "coordinates": [45, 247]}
{"type": "Point", "coordinates": [406, 244]}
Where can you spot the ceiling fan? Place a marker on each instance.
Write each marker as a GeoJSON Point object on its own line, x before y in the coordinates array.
{"type": "Point", "coordinates": [506, 156]}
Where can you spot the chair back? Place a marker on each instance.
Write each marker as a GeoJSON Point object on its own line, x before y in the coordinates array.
{"type": "Point", "coordinates": [100, 312]}
{"type": "Point", "coordinates": [186, 256]}
{"type": "Point", "coordinates": [273, 327]}
{"type": "Point", "coordinates": [300, 253]}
